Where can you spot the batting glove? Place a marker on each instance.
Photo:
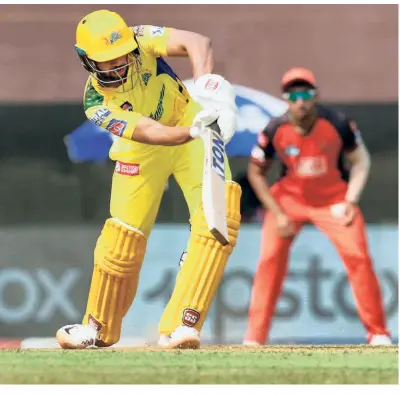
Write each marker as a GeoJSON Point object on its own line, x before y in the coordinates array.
{"type": "Point", "coordinates": [214, 91]}
{"type": "Point", "coordinates": [201, 121]}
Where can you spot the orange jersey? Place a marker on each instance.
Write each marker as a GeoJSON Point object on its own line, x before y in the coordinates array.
{"type": "Point", "coordinates": [312, 165]}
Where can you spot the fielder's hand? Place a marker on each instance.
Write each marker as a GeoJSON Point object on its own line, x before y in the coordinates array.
{"type": "Point", "coordinates": [285, 226]}
{"type": "Point", "coordinates": [349, 213]}
{"type": "Point", "coordinates": [344, 212]}
{"type": "Point", "coordinates": [214, 91]}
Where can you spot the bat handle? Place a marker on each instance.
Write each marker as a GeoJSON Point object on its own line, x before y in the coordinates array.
{"type": "Point", "coordinates": [215, 127]}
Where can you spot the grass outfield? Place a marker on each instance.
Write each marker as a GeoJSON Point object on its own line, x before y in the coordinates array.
{"type": "Point", "coordinates": [210, 365]}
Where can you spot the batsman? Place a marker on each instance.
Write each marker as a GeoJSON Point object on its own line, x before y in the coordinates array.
{"type": "Point", "coordinates": [158, 126]}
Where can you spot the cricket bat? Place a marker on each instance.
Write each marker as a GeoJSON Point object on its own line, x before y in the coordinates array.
{"type": "Point", "coordinates": [213, 197]}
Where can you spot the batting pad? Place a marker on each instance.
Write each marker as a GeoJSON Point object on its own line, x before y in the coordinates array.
{"type": "Point", "coordinates": [118, 258]}
{"type": "Point", "coordinates": [203, 268]}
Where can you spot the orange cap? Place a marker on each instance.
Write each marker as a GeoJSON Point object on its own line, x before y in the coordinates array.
{"type": "Point", "coordinates": [298, 74]}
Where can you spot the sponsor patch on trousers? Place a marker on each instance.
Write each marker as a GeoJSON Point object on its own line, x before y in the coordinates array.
{"type": "Point", "coordinates": [127, 169]}
{"type": "Point", "coordinates": [190, 317]}
{"type": "Point", "coordinates": [94, 323]}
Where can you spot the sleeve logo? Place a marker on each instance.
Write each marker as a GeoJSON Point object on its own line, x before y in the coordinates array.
{"type": "Point", "coordinates": [117, 127]}
{"type": "Point", "coordinates": [156, 31]}
{"type": "Point", "coordinates": [138, 30]}
{"type": "Point", "coordinates": [99, 116]}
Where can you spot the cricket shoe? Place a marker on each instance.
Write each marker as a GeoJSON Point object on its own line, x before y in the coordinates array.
{"type": "Point", "coordinates": [164, 341]}
{"type": "Point", "coordinates": [76, 336]}
{"type": "Point", "coordinates": [379, 340]}
{"type": "Point", "coordinates": [251, 343]}
{"type": "Point", "coordinates": [184, 337]}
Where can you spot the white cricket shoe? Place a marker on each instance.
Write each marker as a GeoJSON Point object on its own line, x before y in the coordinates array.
{"type": "Point", "coordinates": [251, 343]}
{"type": "Point", "coordinates": [185, 337]}
{"type": "Point", "coordinates": [380, 340]}
{"type": "Point", "coordinates": [164, 341]}
{"type": "Point", "coordinates": [76, 336]}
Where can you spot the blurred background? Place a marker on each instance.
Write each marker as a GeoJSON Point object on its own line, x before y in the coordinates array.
{"type": "Point", "coordinates": [55, 175]}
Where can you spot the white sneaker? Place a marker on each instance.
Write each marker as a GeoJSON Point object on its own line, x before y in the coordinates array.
{"type": "Point", "coordinates": [185, 337]}
{"type": "Point", "coordinates": [380, 340]}
{"type": "Point", "coordinates": [251, 343]}
{"type": "Point", "coordinates": [164, 341]}
{"type": "Point", "coordinates": [76, 336]}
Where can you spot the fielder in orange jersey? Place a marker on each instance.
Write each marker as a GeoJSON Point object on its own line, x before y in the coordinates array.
{"type": "Point", "coordinates": [313, 144]}
{"type": "Point", "coordinates": [134, 94]}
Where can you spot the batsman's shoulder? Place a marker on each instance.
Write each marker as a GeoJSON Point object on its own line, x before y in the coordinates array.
{"type": "Point", "coordinates": [146, 34]}
{"type": "Point", "coordinates": [91, 97]}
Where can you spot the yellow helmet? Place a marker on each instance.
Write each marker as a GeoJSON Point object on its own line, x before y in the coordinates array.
{"type": "Point", "coordinates": [103, 35]}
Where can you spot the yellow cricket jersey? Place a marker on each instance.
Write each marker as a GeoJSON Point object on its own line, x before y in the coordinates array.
{"type": "Point", "coordinates": [157, 93]}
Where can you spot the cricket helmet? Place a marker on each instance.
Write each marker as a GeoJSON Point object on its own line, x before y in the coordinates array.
{"type": "Point", "coordinates": [103, 36]}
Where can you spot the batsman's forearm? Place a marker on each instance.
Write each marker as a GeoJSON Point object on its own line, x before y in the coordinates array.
{"type": "Point", "coordinates": [261, 189]}
{"type": "Point", "coordinates": [175, 135]}
{"type": "Point", "coordinates": [148, 131]}
{"type": "Point", "coordinates": [201, 57]}
{"type": "Point", "coordinates": [359, 174]}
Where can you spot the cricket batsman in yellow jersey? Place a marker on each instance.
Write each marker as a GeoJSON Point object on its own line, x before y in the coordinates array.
{"type": "Point", "coordinates": [136, 96]}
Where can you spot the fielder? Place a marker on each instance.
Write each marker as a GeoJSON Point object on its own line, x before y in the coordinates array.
{"type": "Point", "coordinates": [314, 144]}
{"type": "Point", "coordinates": [134, 94]}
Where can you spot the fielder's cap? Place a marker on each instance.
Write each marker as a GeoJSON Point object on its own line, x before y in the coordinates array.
{"type": "Point", "coordinates": [298, 74]}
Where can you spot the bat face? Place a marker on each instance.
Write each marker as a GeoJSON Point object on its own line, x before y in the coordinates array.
{"type": "Point", "coordinates": [218, 155]}
{"type": "Point", "coordinates": [214, 203]}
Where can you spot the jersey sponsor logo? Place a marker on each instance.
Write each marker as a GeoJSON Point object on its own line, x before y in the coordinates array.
{"type": "Point", "coordinates": [312, 166]}
{"type": "Point", "coordinates": [117, 127]}
{"type": "Point", "coordinates": [292, 150]}
{"type": "Point", "coordinates": [127, 106]}
{"type": "Point", "coordinates": [156, 31]}
{"type": "Point", "coordinates": [262, 140]}
{"type": "Point", "coordinates": [127, 169]}
{"type": "Point", "coordinates": [99, 116]}
{"type": "Point", "coordinates": [258, 154]}
{"type": "Point", "coordinates": [190, 317]}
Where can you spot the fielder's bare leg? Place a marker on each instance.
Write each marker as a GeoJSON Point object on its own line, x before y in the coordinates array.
{"type": "Point", "coordinates": [352, 246]}
{"type": "Point", "coordinates": [206, 258]}
{"type": "Point", "coordinates": [120, 251]}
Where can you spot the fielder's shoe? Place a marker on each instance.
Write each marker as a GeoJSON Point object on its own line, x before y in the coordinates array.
{"type": "Point", "coordinates": [76, 336]}
{"type": "Point", "coordinates": [251, 343]}
{"type": "Point", "coordinates": [379, 340]}
{"type": "Point", "coordinates": [185, 337]}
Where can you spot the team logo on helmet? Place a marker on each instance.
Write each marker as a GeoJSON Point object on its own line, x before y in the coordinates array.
{"type": "Point", "coordinates": [114, 36]}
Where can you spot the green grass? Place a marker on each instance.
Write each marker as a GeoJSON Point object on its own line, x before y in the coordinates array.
{"type": "Point", "coordinates": [211, 365]}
